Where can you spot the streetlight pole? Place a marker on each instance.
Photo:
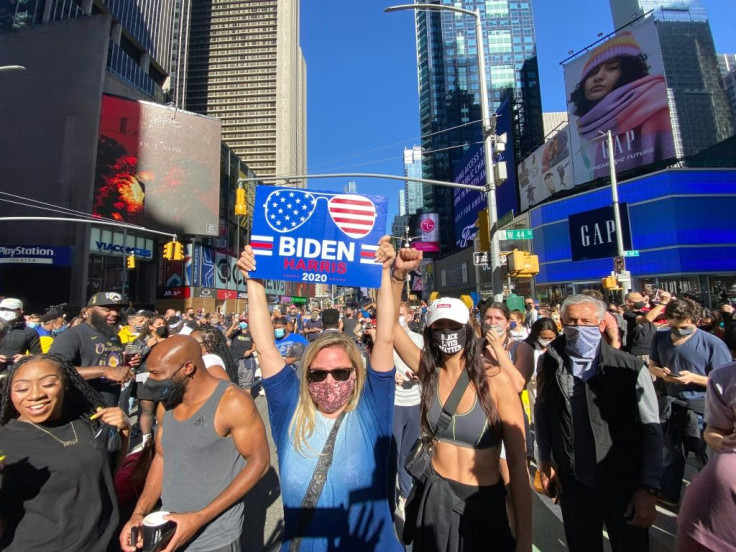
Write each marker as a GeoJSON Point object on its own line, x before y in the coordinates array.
{"type": "Point", "coordinates": [625, 277]}
{"type": "Point", "coordinates": [488, 136]}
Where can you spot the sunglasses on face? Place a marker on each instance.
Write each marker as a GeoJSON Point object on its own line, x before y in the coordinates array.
{"type": "Point", "coordinates": [338, 374]}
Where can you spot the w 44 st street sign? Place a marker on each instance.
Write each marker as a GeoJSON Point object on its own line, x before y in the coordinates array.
{"type": "Point", "coordinates": [516, 234]}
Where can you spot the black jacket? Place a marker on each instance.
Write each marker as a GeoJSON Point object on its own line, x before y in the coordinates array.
{"type": "Point", "coordinates": [622, 408]}
{"type": "Point", "coordinates": [19, 340]}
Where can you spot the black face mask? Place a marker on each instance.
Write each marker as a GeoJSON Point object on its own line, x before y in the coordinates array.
{"type": "Point", "coordinates": [639, 304]}
{"type": "Point", "coordinates": [449, 341]}
{"type": "Point", "coordinates": [167, 392]}
{"type": "Point", "coordinates": [162, 331]}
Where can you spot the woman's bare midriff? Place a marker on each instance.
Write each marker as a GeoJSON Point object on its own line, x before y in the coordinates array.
{"type": "Point", "coordinates": [467, 465]}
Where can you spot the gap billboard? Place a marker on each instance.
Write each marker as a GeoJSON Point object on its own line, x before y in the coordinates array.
{"type": "Point", "coordinates": [619, 86]}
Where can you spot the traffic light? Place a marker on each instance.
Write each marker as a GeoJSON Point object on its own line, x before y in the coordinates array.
{"type": "Point", "coordinates": [240, 206]}
{"type": "Point", "coordinates": [609, 282]}
{"type": "Point", "coordinates": [484, 230]}
{"type": "Point", "coordinates": [178, 251]}
{"type": "Point", "coordinates": [522, 263]}
{"type": "Point", "coordinates": [169, 250]}
{"type": "Point", "coordinates": [131, 261]}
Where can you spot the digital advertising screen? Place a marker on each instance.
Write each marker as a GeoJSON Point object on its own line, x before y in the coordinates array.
{"type": "Point", "coordinates": [620, 86]}
{"type": "Point", "coordinates": [158, 166]}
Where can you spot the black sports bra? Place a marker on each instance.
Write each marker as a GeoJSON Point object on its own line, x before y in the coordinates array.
{"type": "Point", "coordinates": [469, 429]}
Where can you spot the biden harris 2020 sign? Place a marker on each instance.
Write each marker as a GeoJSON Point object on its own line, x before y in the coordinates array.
{"type": "Point", "coordinates": [317, 237]}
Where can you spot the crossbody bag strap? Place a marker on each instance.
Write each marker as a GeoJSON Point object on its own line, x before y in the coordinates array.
{"type": "Point", "coordinates": [450, 407]}
{"type": "Point", "coordinates": [314, 489]}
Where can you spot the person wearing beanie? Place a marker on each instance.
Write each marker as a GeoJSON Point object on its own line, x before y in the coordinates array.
{"type": "Point", "coordinates": [617, 93]}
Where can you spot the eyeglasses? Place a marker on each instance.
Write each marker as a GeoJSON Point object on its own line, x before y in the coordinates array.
{"type": "Point", "coordinates": [338, 374]}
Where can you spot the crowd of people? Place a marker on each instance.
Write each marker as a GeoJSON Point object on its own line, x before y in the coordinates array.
{"type": "Point", "coordinates": [393, 423]}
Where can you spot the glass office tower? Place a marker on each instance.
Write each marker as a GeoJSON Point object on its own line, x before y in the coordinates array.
{"type": "Point", "coordinates": [413, 191]}
{"type": "Point", "coordinates": [700, 107]}
{"type": "Point", "coordinates": [449, 101]}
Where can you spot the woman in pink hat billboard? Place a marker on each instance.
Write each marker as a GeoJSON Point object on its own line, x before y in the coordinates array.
{"type": "Point", "coordinates": [621, 88]}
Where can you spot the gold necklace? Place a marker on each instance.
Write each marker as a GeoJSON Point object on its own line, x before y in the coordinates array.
{"type": "Point", "coordinates": [64, 443]}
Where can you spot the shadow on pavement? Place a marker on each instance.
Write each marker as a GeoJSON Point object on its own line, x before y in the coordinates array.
{"type": "Point", "coordinates": [256, 503]}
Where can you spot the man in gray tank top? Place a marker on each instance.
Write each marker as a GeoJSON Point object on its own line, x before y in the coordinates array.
{"type": "Point", "coordinates": [211, 449]}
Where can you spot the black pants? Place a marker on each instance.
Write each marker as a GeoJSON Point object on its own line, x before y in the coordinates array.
{"type": "Point", "coordinates": [585, 510]}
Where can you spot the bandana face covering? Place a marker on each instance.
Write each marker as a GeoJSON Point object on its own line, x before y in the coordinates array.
{"type": "Point", "coordinates": [449, 341]}
{"type": "Point", "coordinates": [582, 341]}
{"type": "Point", "coordinates": [330, 395]}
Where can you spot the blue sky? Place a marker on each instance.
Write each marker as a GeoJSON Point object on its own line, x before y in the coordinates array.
{"type": "Point", "coordinates": [362, 101]}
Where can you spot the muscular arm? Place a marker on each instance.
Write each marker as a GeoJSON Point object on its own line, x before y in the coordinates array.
{"type": "Point", "coordinates": [237, 416]}
{"type": "Point", "coordinates": [512, 422]}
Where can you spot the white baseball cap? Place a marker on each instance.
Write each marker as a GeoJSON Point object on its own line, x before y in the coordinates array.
{"type": "Point", "coordinates": [447, 308]}
{"type": "Point", "coordinates": [11, 304]}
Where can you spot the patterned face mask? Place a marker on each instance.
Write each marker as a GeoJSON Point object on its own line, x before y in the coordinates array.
{"type": "Point", "coordinates": [582, 341]}
{"type": "Point", "coordinates": [330, 395]}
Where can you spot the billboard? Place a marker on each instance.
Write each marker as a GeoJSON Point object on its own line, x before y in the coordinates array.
{"type": "Point", "coordinates": [427, 233]}
{"type": "Point", "coordinates": [158, 166]}
{"type": "Point", "coordinates": [593, 233]}
{"type": "Point", "coordinates": [546, 171]}
{"type": "Point", "coordinates": [471, 169]}
{"type": "Point", "coordinates": [619, 86]}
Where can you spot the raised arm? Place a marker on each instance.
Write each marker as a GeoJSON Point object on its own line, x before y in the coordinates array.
{"type": "Point", "coordinates": [382, 354]}
{"type": "Point", "coordinates": [407, 259]}
{"type": "Point", "coordinates": [261, 328]}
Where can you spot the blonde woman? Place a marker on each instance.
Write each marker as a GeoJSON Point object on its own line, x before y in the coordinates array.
{"type": "Point", "coordinates": [336, 390]}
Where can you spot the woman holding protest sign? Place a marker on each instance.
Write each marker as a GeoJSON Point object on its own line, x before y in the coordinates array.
{"type": "Point", "coordinates": [339, 414]}
{"type": "Point", "coordinates": [468, 410]}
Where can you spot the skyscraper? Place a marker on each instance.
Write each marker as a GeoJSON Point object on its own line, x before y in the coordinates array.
{"type": "Point", "coordinates": [624, 11]}
{"type": "Point", "coordinates": [701, 112]}
{"type": "Point", "coordinates": [727, 65]}
{"type": "Point", "coordinates": [449, 101]}
{"type": "Point", "coordinates": [244, 66]}
{"type": "Point", "coordinates": [413, 193]}
{"type": "Point", "coordinates": [139, 48]}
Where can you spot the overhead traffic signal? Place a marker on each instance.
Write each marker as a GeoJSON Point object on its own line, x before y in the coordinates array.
{"type": "Point", "coordinates": [241, 208]}
{"type": "Point", "coordinates": [609, 282]}
{"type": "Point", "coordinates": [522, 263]}
{"type": "Point", "coordinates": [130, 261]}
{"type": "Point", "coordinates": [178, 251]}
{"type": "Point", "coordinates": [484, 231]}
{"type": "Point", "coordinates": [169, 250]}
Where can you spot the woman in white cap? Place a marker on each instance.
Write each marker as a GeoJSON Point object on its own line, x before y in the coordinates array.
{"type": "Point", "coordinates": [458, 503]}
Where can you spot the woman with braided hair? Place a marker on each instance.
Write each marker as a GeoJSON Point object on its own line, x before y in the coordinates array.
{"type": "Point", "coordinates": [57, 488]}
{"type": "Point", "coordinates": [218, 359]}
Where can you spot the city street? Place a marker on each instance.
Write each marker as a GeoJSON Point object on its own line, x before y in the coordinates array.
{"type": "Point", "coordinates": [263, 532]}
